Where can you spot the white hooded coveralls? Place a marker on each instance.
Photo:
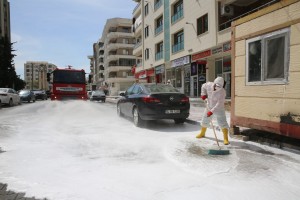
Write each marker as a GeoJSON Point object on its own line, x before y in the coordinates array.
{"type": "Point", "coordinates": [215, 101]}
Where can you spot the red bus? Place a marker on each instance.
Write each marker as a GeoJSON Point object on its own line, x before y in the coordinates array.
{"type": "Point", "coordinates": [68, 84]}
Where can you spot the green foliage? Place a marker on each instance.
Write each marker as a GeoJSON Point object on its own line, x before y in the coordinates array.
{"type": "Point", "coordinates": [8, 76]}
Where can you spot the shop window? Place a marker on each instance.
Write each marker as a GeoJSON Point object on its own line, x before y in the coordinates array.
{"type": "Point", "coordinates": [178, 77]}
{"type": "Point", "coordinates": [218, 68]}
{"type": "Point", "coordinates": [267, 58]}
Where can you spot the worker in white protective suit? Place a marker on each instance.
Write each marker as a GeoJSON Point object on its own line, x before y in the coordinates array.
{"type": "Point", "coordinates": [215, 94]}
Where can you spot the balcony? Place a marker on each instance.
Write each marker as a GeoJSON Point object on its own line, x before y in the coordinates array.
{"type": "Point", "coordinates": [115, 46]}
{"type": "Point", "coordinates": [158, 30]}
{"type": "Point", "coordinates": [177, 47]}
{"type": "Point", "coordinates": [118, 68]}
{"type": "Point", "coordinates": [112, 35]}
{"type": "Point", "coordinates": [157, 5]}
{"type": "Point", "coordinates": [137, 49]}
{"type": "Point", "coordinates": [159, 56]}
{"type": "Point", "coordinates": [177, 16]}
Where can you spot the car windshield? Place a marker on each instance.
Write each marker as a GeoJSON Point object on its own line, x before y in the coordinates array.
{"type": "Point", "coordinates": [161, 88]}
{"type": "Point", "coordinates": [24, 92]}
{"type": "Point", "coordinates": [98, 92]}
{"type": "Point", "coordinates": [68, 76]}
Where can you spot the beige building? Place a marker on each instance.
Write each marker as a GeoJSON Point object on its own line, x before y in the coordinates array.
{"type": "Point", "coordinates": [187, 42]}
{"type": "Point", "coordinates": [35, 74]}
{"type": "Point", "coordinates": [113, 58]}
{"type": "Point", "coordinates": [266, 72]}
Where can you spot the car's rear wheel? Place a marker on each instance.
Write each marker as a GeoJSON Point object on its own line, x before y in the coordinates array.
{"type": "Point", "coordinates": [136, 118]}
{"type": "Point", "coordinates": [120, 114]}
{"type": "Point", "coordinates": [179, 121]}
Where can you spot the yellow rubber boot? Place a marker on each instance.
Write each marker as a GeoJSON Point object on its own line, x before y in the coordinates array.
{"type": "Point", "coordinates": [202, 133]}
{"type": "Point", "coordinates": [225, 133]}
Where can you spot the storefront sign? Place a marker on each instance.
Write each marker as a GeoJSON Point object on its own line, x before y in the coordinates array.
{"type": "Point", "coordinates": [180, 61]}
{"type": "Point", "coordinates": [216, 50]}
{"type": "Point", "coordinates": [150, 72]}
{"type": "Point", "coordinates": [160, 69]}
{"type": "Point", "coordinates": [142, 74]}
{"type": "Point", "coordinates": [201, 55]}
{"type": "Point", "coordinates": [227, 46]}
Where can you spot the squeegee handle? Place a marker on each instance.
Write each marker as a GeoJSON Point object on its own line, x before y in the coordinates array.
{"type": "Point", "coordinates": [212, 125]}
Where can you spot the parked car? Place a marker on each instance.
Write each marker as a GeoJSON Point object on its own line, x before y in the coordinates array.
{"type": "Point", "coordinates": [48, 92]}
{"type": "Point", "coordinates": [151, 101]}
{"type": "Point", "coordinates": [98, 95]}
{"type": "Point", "coordinates": [27, 95]}
{"type": "Point", "coordinates": [40, 94]}
{"type": "Point", "coordinates": [9, 96]}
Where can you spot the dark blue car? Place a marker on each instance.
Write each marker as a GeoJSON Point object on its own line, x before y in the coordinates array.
{"type": "Point", "coordinates": [151, 101]}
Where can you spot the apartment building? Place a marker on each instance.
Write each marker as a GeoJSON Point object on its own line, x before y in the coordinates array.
{"type": "Point", "coordinates": [4, 19]}
{"type": "Point", "coordinates": [113, 54]}
{"type": "Point", "coordinates": [187, 42]}
{"type": "Point", "coordinates": [35, 74]}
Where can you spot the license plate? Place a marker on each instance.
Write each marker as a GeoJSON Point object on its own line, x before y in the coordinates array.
{"type": "Point", "coordinates": [172, 111]}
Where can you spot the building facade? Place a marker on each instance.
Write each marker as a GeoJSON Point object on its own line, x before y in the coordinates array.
{"type": "Point", "coordinates": [266, 72]}
{"type": "Point", "coordinates": [35, 74]}
{"type": "Point", "coordinates": [113, 57]}
{"type": "Point", "coordinates": [187, 42]}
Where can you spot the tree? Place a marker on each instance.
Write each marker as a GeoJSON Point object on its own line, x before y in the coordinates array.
{"type": "Point", "coordinates": [8, 75]}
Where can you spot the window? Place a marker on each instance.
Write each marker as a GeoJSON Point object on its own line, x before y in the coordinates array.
{"type": "Point", "coordinates": [159, 51]}
{"type": "Point", "coordinates": [146, 31]}
{"type": "Point", "coordinates": [177, 11]}
{"type": "Point", "coordinates": [202, 24]}
{"type": "Point", "coordinates": [178, 42]}
{"type": "Point", "coordinates": [159, 25]}
{"type": "Point", "coordinates": [146, 9]}
{"type": "Point", "coordinates": [146, 54]}
{"type": "Point", "coordinates": [267, 58]}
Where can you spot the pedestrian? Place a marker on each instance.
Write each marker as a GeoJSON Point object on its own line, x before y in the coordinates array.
{"type": "Point", "coordinates": [215, 94]}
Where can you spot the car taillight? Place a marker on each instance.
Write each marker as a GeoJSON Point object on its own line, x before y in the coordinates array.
{"type": "Point", "coordinates": [185, 100]}
{"type": "Point", "coordinates": [150, 100]}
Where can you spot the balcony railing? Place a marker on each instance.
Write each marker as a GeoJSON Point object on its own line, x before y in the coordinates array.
{"type": "Point", "coordinates": [227, 24]}
{"type": "Point", "coordinates": [177, 16]}
{"type": "Point", "coordinates": [157, 5]}
{"type": "Point", "coordinates": [158, 29]}
{"type": "Point", "coordinates": [177, 47]}
{"type": "Point", "coordinates": [159, 55]}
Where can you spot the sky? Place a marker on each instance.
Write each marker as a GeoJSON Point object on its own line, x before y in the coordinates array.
{"type": "Point", "coordinates": [61, 32]}
{"type": "Point", "coordinates": [50, 151]}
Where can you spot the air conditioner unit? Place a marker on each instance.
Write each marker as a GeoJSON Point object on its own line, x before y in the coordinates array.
{"type": "Point", "coordinates": [226, 10]}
